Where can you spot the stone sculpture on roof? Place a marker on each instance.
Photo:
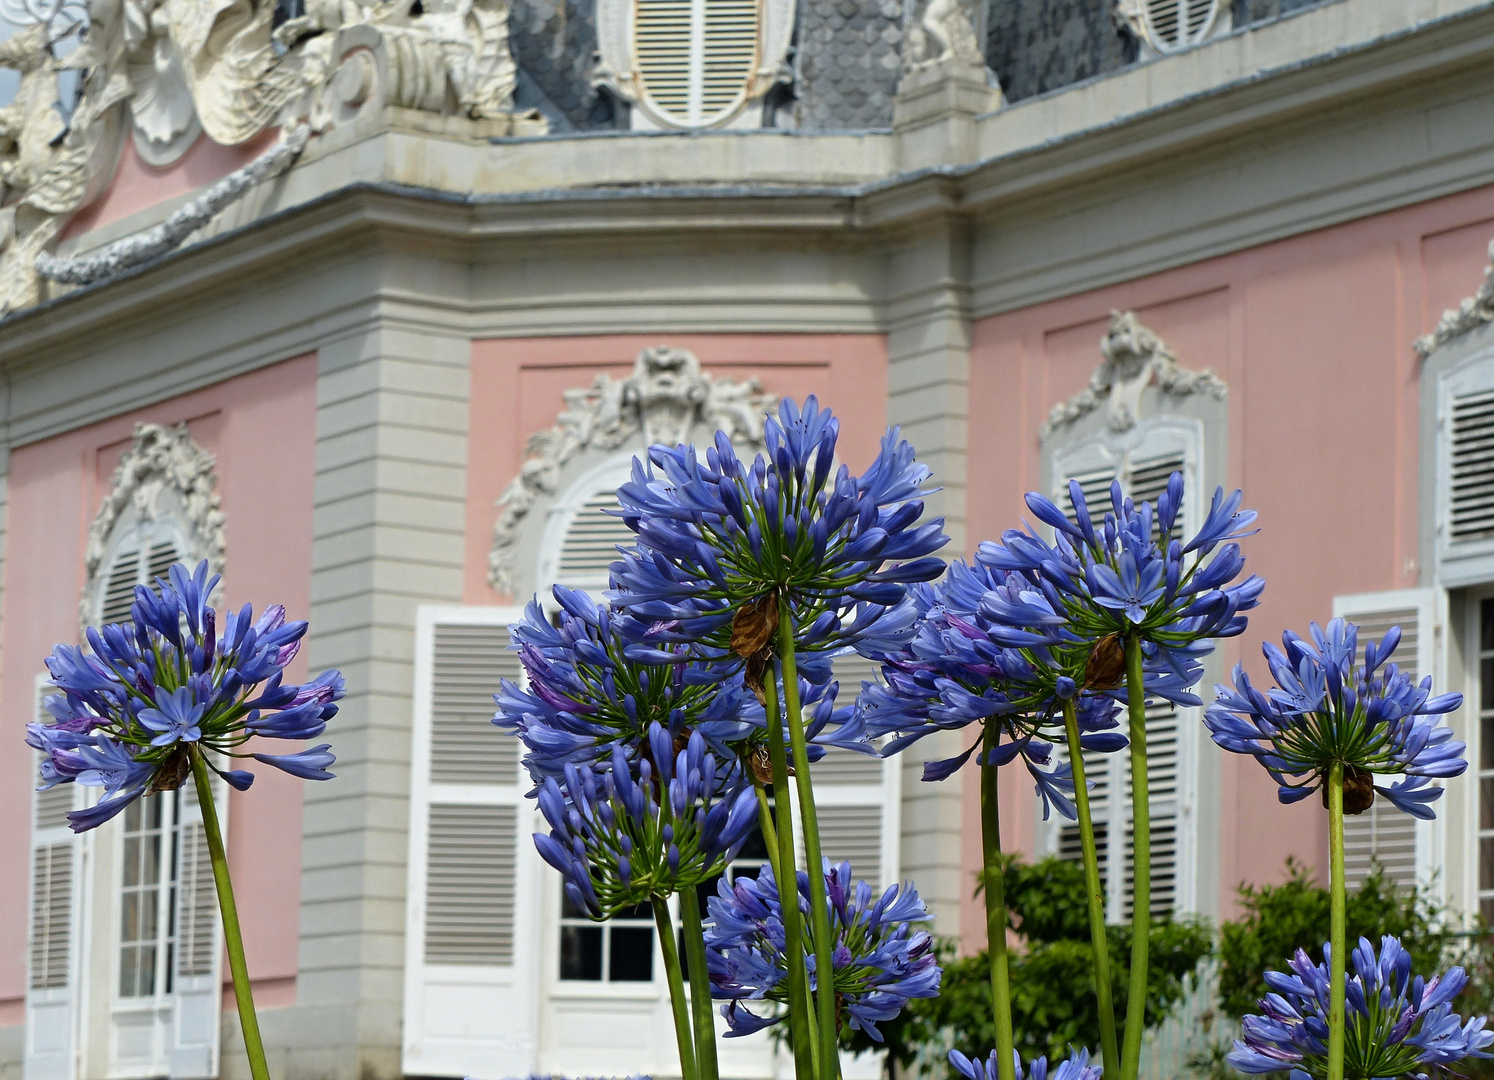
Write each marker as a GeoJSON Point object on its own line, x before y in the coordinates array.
{"type": "Point", "coordinates": [165, 71]}
{"type": "Point", "coordinates": [943, 33]}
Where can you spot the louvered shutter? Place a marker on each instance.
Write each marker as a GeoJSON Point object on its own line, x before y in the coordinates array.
{"type": "Point", "coordinates": [696, 57]}
{"type": "Point", "coordinates": [133, 564]}
{"type": "Point", "coordinates": [197, 979]}
{"type": "Point", "coordinates": [1143, 472]}
{"type": "Point", "coordinates": [471, 962]}
{"type": "Point", "coordinates": [53, 966]}
{"type": "Point", "coordinates": [858, 797]}
{"type": "Point", "coordinates": [1176, 24]}
{"type": "Point", "coordinates": [1463, 473]}
{"type": "Point", "coordinates": [1383, 834]}
{"type": "Point", "coordinates": [591, 540]}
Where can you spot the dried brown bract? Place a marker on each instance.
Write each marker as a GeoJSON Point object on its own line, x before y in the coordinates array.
{"type": "Point", "coordinates": [1106, 667]}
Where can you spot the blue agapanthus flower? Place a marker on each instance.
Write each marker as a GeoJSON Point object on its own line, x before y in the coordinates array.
{"type": "Point", "coordinates": [633, 832]}
{"type": "Point", "coordinates": [1372, 718]}
{"type": "Point", "coordinates": [725, 546]}
{"type": "Point", "coordinates": [880, 961]}
{"type": "Point", "coordinates": [956, 671]}
{"type": "Point", "coordinates": [587, 693]}
{"type": "Point", "coordinates": [1126, 577]}
{"type": "Point", "coordinates": [1075, 1067]}
{"type": "Point", "coordinates": [172, 682]}
{"type": "Point", "coordinates": [1396, 1025]}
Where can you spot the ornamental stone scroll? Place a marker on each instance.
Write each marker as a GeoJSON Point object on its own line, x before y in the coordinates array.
{"type": "Point", "coordinates": [666, 399]}
{"type": "Point", "coordinates": [164, 479]}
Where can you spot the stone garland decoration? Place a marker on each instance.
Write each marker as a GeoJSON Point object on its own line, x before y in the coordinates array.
{"type": "Point", "coordinates": [1134, 357]}
{"type": "Point", "coordinates": [1472, 313]}
{"type": "Point", "coordinates": [160, 458]}
{"type": "Point", "coordinates": [161, 72]}
{"type": "Point", "coordinates": [665, 399]}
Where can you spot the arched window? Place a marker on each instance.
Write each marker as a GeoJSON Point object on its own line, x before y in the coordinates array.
{"type": "Point", "coordinates": [1141, 418]}
{"type": "Point", "coordinates": [152, 932]}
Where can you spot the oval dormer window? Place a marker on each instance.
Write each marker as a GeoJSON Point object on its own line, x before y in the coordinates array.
{"type": "Point", "coordinates": [696, 58]}
{"type": "Point", "coordinates": [1168, 26]}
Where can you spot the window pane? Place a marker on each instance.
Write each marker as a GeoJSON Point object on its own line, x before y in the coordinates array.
{"type": "Point", "coordinates": [632, 954]}
{"type": "Point", "coordinates": [1486, 804]}
{"type": "Point", "coordinates": [642, 912]}
{"type": "Point", "coordinates": [150, 867]}
{"type": "Point", "coordinates": [127, 969]}
{"type": "Point", "coordinates": [1486, 910]}
{"type": "Point", "coordinates": [147, 970]}
{"type": "Point", "coordinates": [132, 861]}
{"type": "Point", "coordinates": [1486, 863]}
{"type": "Point", "coordinates": [581, 953]}
{"type": "Point", "coordinates": [569, 910]}
{"type": "Point", "coordinates": [1486, 737]}
{"type": "Point", "coordinates": [1486, 619]}
{"type": "Point", "coordinates": [1486, 681]}
{"type": "Point", "coordinates": [129, 920]}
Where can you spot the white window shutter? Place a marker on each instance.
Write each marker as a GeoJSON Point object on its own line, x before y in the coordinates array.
{"type": "Point", "coordinates": [1143, 470]}
{"type": "Point", "coordinates": [53, 961]}
{"type": "Point", "coordinates": [471, 959]}
{"type": "Point", "coordinates": [197, 997]}
{"type": "Point", "coordinates": [1397, 841]}
{"type": "Point", "coordinates": [858, 798]}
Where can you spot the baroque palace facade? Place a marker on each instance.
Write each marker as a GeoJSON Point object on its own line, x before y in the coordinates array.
{"type": "Point", "coordinates": [370, 302]}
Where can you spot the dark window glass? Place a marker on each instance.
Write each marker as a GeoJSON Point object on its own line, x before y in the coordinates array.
{"type": "Point", "coordinates": [581, 953]}
{"type": "Point", "coordinates": [632, 957]}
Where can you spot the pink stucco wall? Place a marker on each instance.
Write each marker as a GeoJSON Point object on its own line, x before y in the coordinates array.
{"type": "Point", "coordinates": [137, 185]}
{"type": "Point", "coordinates": [518, 387]}
{"type": "Point", "coordinates": [262, 429]}
{"type": "Point", "coordinates": [1313, 335]}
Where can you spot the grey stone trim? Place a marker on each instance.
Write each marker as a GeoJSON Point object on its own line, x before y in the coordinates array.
{"type": "Point", "coordinates": [388, 535]}
{"type": "Point", "coordinates": [928, 343]}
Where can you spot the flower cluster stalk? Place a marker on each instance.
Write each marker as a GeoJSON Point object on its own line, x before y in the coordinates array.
{"type": "Point", "coordinates": [819, 909]}
{"type": "Point", "coordinates": [801, 1012]}
{"type": "Point", "coordinates": [1141, 889]}
{"type": "Point", "coordinates": [700, 985]}
{"type": "Point", "coordinates": [678, 1003]}
{"type": "Point", "coordinates": [1099, 941]}
{"type": "Point", "coordinates": [233, 938]}
{"type": "Point", "coordinates": [1337, 925]}
{"type": "Point", "coordinates": [995, 893]}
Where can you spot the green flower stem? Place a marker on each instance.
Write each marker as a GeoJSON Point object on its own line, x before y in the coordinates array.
{"type": "Point", "coordinates": [765, 825]}
{"type": "Point", "coordinates": [1338, 930]}
{"type": "Point", "coordinates": [801, 1010]}
{"type": "Point", "coordinates": [676, 988]}
{"type": "Point", "coordinates": [995, 892]}
{"type": "Point", "coordinates": [819, 907]}
{"type": "Point", "coordinates": [1099, 940]}
{"type": "Point", "coordinates": [700, 985]}
{"type": "Point", "coordinates": [233, 939]}
{"type": "Point", "coordinates": [1141, 861]}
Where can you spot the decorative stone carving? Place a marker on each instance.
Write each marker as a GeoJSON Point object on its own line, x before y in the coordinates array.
{"type": "Point", "coordinates": [943, 33]}
{"type": "Point", "coordinates": [163, 472]}
{"type": "Point", "coordinates": [618, 69]}
{"type": "Point", "coordinates": [667, 399]}
{"type": "Point", "coordinates": [167, 69]}
{"type": "Point", "coordinates": [1472, 313]}
{"type": "Point", "coordinates": [1134, 357]}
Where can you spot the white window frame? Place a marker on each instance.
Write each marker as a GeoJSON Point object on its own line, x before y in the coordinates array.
{"type": "Point", "coordinates": [1150, 437]}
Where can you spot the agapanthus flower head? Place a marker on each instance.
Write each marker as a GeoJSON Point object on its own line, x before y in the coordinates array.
{"type": "Point", "coordinates": [589, 690]}
{"type": "Point", "coordinates": [724, 546]}
{"type": "Point", "coordinates": [145, 694]}
{"type": "Point", "coordinates": [880, 961]}
{"type": "Point", "coordinates": [1074, 1067]}
{"type": "Point", "coordinates": [1396, 1025]}
{"type": "Point", "coordinates": [959, 670]}
{"type": "Point", "coordinates": [1126, 576]}
{"type": "Point", "coordinates": [643, 828]}
{"type": "Point", "coordinates": [1326, 708]}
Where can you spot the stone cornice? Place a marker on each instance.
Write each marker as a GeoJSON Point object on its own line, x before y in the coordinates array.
{"type": "Point", "coordinates": [354, 192]}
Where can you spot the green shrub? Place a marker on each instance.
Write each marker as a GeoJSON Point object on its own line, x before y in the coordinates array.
{"type": "Point", "coordinates": [1053, 1000]}
{"type": "Point", "coordinates": [1280, 919]}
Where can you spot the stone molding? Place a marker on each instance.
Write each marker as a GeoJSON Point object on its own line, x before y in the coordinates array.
{"type": "Point", "coordinates": [667, 399]}
{"type": "Point", "coordinates": [1472, 313]}
{"type": "Point", "coordinates": [162, 459]}
{"type": "Point", "coordinates": [1133, 358]}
